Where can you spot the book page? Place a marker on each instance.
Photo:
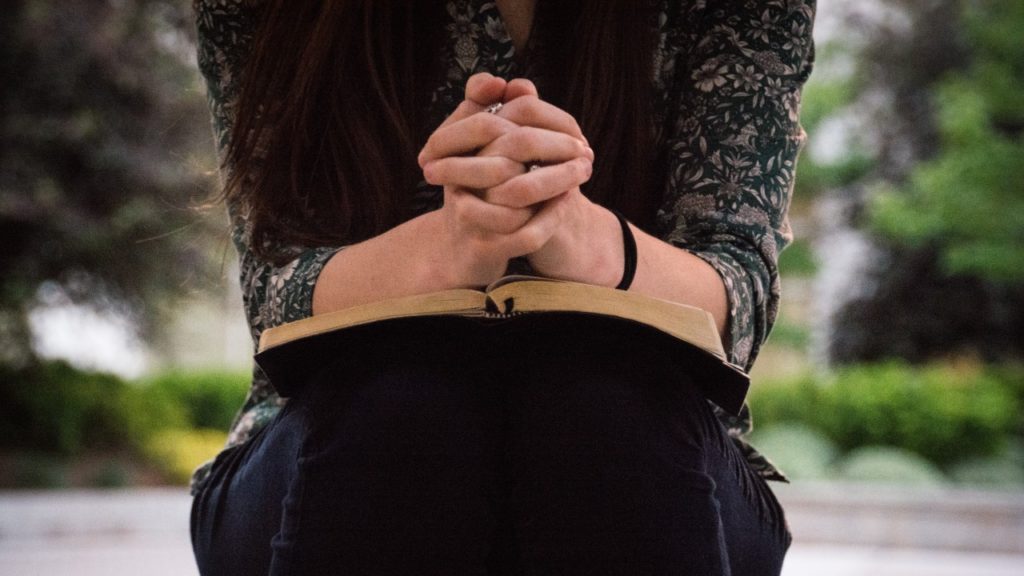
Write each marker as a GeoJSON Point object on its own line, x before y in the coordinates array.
{"type": "Point", "coordinates": [459, 301]}
{"type": "Point", "coordinates": [687, 323]}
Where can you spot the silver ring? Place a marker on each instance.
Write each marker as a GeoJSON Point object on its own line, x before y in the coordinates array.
{"type": "Point", "coordinates": [531, 166]}
{"type": "Point", "coordinates": [494, 108]}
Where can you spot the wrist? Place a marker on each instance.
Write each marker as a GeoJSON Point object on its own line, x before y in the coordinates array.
{"type": "Point", "coordinates": [609, 258]}
{"type": "Point", "coordinates": [432, 261]}
{"type": "Point", "coordinates": [590, 252]}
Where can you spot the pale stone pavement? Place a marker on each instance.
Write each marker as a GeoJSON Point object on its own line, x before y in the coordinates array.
{"type": "Point", "coordinates": [145, 532]}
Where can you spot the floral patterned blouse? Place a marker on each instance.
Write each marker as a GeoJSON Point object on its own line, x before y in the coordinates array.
{"type": "Point", "coordinates": [728, 76]}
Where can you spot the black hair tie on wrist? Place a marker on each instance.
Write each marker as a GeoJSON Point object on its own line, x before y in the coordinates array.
{"type": "Point", "coordinates": [629, 247]}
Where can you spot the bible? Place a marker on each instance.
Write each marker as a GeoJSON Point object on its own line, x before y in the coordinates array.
{"type": "Point", "coordinates": [687, 334]}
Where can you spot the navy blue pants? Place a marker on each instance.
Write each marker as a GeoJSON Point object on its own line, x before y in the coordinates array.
{"type": "Point", "coordinates": [521, 448]}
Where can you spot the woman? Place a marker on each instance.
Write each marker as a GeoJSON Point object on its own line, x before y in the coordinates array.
{"type": "Point", "coordinates": [375, 149]}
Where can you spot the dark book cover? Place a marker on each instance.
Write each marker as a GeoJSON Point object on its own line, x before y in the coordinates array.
{"type": "Point", "coordinates": [290, 366]}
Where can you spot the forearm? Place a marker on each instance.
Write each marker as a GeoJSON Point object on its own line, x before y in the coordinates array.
{"type": "Point", "coordinates": [467, 243]}
{"type": "Point", "coordinates": [394, 264]}
{"type": "Point", "coordinates": [592, 252]}
{"type": "Point", "coordinates": [671, 273]}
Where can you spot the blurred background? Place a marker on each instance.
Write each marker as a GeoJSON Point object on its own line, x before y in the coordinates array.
{"type": "Point", "coordinates": [893, 379]}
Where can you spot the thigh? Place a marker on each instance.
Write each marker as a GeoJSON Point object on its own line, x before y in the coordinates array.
{"type": "Point", "coordinates": [385, 463]}
{"type": "Point", "coordinates": [754, 525]}
{"type": "Point", "coordinates": [610, 463]}
{"type": "Point", "coordinates": [398, 475]}
{"type": "Point", "coordinates": [238, 511]}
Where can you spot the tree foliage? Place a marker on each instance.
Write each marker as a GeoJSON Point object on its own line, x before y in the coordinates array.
{"type": "Point", "coordinates": [968, 200]}
{"type": "Point", "coordinates": [102, 129]}
{"type": "Point", "coordinates": [938, 94]}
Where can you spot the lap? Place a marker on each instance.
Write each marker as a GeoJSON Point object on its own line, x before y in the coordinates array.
{"type": "Point", "coordinates": [497, 451]}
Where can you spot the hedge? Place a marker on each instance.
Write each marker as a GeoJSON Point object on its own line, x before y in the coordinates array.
{"type": "Point", "coordinates": [946, 413]}
{"type": "Point", "coordinates": [54, 407]}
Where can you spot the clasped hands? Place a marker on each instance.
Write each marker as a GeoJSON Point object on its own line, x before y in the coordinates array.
{"type": "Point", "coordinates": [496, 208]}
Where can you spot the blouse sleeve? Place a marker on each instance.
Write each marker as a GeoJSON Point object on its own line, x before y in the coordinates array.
{"type": "Point", "coordinates": [733, 136]}
{"type": "Point", "coordinates": [272, 294]}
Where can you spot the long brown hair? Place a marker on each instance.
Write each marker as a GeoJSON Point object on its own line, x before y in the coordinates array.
{"type": "Point", "coordinates": [332, 110]}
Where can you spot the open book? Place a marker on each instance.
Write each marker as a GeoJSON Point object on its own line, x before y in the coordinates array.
{"type": "Point", "coordinates": [691, 330]}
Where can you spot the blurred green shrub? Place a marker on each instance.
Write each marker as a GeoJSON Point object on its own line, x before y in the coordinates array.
{"type": "Point", "coordinates": [790, 335]}
{"type": "Point", "coordinates": [54, 407]}
{"type": "Point", "coordinates": [207, 399]}
{"type": "Point", "coordinates": [50, 411]}
{"type": "Point", "coordinates": [1001, 472]}
{"type": "Point", "coordinates": [111, 475]}
{"type": "Point", "coordinates": [889, 465]}
{"type": "Point", "coordinates": [36, 471]}
{"type": "Point", "coordinates": [798, 259]}
{"type": "Point", "coordinates": [1012, 376]}
{"type": "Point", "coordinates": [945, 413]}
{"type": "Point", "coordinates": [179, 452]}
{"type": "Point", "coordinates": [801, 452]}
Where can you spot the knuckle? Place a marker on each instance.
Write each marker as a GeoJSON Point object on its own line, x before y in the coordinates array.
{"type": "Point", "coordinates": [463, 110]}
{"type": "Point", "coordinates": [526, 138]}
{"type": "Point", "coordinates": [530, 102]}
{"type": "Point", "coordinates": [501, 195]}
{"type": "Point", "coordinates": [476, 122]}
{"type": "Point", "coordinates": [514, 219]}
{"type": "Point", "coordinates": [511, 168]}
{"type": "Point", "coordinates": [524, 191]}
{"type": "Point", "coordinates": [522, 216]}
{"type": "Point", "coordinates": [532, 239]}
{"type": "Point", "coordinates": [580, 169]}
{"type": "Point", "coordinates": [524, 108]}
{"type": "Point", "coordinates": [530, 112]}
{"type": "Point", "coordinates": [536, 189]}
{"type": "Point", "coordinates": [502, 170]}
{"type": "Point", "coordinates": [506, 223]}
{"type": "Point", "coordinates": [491, 170]}
{"type": "Point", "coordinates": [461, 212]}
{"type": "Point", "coordinates": [579, 147]}
{"type": "Point", "coordinates": [570, 144]}
{"type": "Point", "coordinates": [489, 126]}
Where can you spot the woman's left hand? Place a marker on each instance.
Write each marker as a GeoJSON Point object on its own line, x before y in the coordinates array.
{"type": "Point", "coordinates": [585, 243]}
